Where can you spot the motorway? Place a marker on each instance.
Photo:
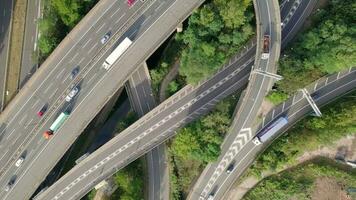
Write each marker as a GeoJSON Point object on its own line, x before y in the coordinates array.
{"type": "Point", "coordinates": [51, 83]}
{"type": "Point", "coordinates": [142, 100]}
{"type": "Point", "coordinates": [295, 108]}
{"type": "Point", "coordinates": [268, 23]}
{"type": "Point", "coordinates": [6, 7]}
{"type": "Point", "coordinates": [28, 63]}
{"type": "Point", "coordinates": [188, 104]}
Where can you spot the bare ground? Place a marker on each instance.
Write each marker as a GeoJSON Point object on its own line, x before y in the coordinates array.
{"type": "Point", "coordinates": [329, 189]}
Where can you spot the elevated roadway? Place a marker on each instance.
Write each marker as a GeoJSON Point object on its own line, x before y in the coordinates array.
{"type": "Point", "coordinates": [154, 128]}
{"type": "Point", "coordinates": [295, 108]}
{"type": "Point", "coordinates": [268, 25]}
{"type": "Point", "coordinates": [142, 100]}
{"type": "Point", "coordinates": [147, 23]}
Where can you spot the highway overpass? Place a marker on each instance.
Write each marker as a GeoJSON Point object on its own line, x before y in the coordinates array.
{"type": "Point", "coordinates": [51, 83]}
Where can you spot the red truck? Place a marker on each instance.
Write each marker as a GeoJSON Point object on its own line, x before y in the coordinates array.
{"type": "Point", "coordinates": [265, 52]}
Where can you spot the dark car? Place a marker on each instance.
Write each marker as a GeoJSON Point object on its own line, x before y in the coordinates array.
{"type": "Point", "coordinates": [74, 72]}
{"type": "Point", "coordinates": [42, 111]}
{"type": "Point", "coordinates": [230, 168]}
{"type": "Point", "coordinates": [9, 185]}
{"type": "Point", "coordinates": [315, 95]}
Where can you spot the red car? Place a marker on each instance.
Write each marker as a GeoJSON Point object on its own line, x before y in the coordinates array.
{"type": "Point", "coordinates": [130, 2]}
{"type": "Point", "coordinates": [42, 111]}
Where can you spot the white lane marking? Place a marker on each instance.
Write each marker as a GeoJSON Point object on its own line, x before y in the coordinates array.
{"type": "Point", "coordinates": [65, 78]}
{"type": "Point", "coordinates": [29, 123]}
{"type": "Point", "coordinates": [133, 33]}
{"type": "Point", "coordinates": [97, 31]}
{"type": "Point", "coordinates": [120, 18]}
{"type": "Point", "coordinates": [92, 48]}
{"type": "Point", "coordinates": [115, 12]}
{"type": "Point", "coordinates": [160, 5]}
{"type": "Point", "coordinates": [48, 87]}
{"type": "Point", "coordinates": [87, 42]}
{"type": "Point", "coordinates": [13, 118]}
{"type": "Point", "coordinates": [23, 119]}
{"type": "Point", "coordinates": [60, 73]}
{"type": "Point", "coordinates": [81, 60]}
{"type": "Point", "coordinates": [146, 20]}
{"type": "Point", "coordinates": [12, 131]}
{"type": "Point", "coordinates": [53, 93]}
{"type": "Point", "coordinates": [75, 55]}
{"type": "Point", "coordinates": [35, 103]}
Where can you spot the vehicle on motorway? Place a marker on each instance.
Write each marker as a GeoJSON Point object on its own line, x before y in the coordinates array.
{"type": "Point", "coordinates": [105, 38]}
{"type": "Point", "coordinates": [265, 52]}
{"type": "Point", "coordinates": [270, 130]}
{"type": "Point", "coordinates": [42, 111]}
{"type": "Point", "coordinates": [315, 95]}
{"type": "Point", "coordinates": [210, 197]}
{"type": "Point", "coordinates": [9, 185]}
{"type": "Point", "coordinates": [19, 161]}
{"type": "Point", "coordinates": [130, 2]}
{"type": "Point", "coordinates": [74, 72]}
{"type": "Point", "coordinates": [71, 94]}
{"type": "Point", "coordinates": [119, 50]}
{"type": "Point", "coordinates": [56, 124]}
{"type": "Point", "coordinates": [230, 168]}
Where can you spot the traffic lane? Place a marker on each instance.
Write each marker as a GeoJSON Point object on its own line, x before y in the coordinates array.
{"type": "Point", "coordinates": [29, 65]}
{"type": "Point", "coordinates": [301, 13]}
{"type": "Point", "coordinates": [265, 16]}
{"type": "Point", "coordinates": [135, 147]}
{"type": "Point", "coordinates": [298, 110]}
{"type": "Point", "coordinates": [66, 78]}
{"type": "Point", "coordinates": [43, 84]}
{"type": "Point", "coordinates": [121, 140]}
{"type": "Point", "coordinates": [169, 16]}
{"type": "Point", "coordinates": [227, 179]}
{"type": "Point", "coordinates": [5, 23]}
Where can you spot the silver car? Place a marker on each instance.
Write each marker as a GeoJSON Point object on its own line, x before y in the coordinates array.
{"type": "Point", "coordinates": [72, 93]}
{"type": "Point", "coordinates": [105, 38]}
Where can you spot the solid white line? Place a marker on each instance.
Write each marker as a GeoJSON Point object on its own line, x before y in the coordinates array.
{"type": "Point", "coordinates": [13, 130]}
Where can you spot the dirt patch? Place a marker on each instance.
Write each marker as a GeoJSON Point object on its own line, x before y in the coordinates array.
{"type": "Point", "coordinates": [16, 43]}
{"type": "Point", "coordinates": [265, 108]}
{"type": "Point", "coordinates": [329, 189]}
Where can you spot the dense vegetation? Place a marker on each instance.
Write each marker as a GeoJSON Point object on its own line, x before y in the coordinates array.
{"type": "Point", "coordinates": [338, 120]}
{"type": "Point", "coordinates": [215, 31]}
{"type": "Point", "coordinates": [328, 47]}
{"type": "Point", "coordinates": [59, 17]}
{"type": "Point", "coordinates": [130, 182]}
{"type": "Point", "coordinates": [197, 144]}
{"type": "Point", "coordinates": [298, 183]}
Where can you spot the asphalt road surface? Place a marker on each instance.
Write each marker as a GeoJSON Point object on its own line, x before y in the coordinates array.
{"type": "Point", "coordinates": [28, 63]}
{"type": "Point", "coordinates": [99, 159]}
{"type": "Point", "coordinates": [295, 108]}
{"type": "Point", "coordinates": [96, 84]}
{"type": "Point", "coordinates": [6, 7]}
{"type": "Point", "coordinates": [141, 98]}
{"type": "Point", "coordinates": [258, 87]}
{"type": "Point", "coordinates": [213, 176]}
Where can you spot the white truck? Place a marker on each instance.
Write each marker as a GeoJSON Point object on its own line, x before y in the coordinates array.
{"type": "Point", "coordinates": [119, 50]}
{"type": "Point", "coordinates": [270, 130]}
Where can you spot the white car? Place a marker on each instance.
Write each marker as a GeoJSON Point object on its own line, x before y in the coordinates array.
{"type": "Point", "coordinates": [71, 94]}
{"type": "Point", "coordinates": [19, 161]}
{"type": "Point", "coordinates": [105, 38]}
